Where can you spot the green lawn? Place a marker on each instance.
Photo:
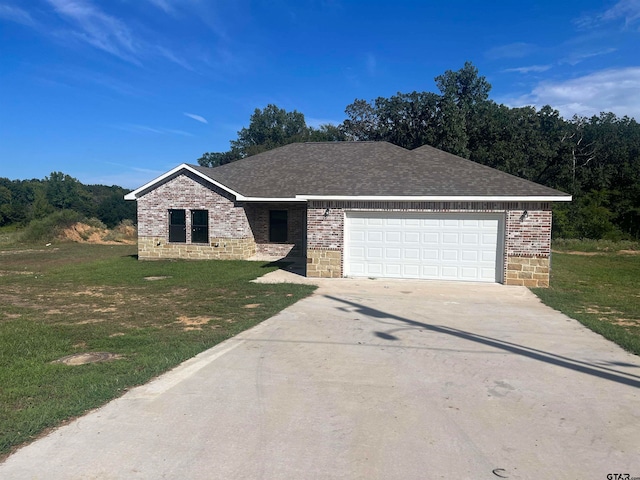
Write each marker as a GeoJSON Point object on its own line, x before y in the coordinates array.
{"type": "Point", "coordinates": [602, 291]}
{"type": "Point", "coordinates": [73, 298]}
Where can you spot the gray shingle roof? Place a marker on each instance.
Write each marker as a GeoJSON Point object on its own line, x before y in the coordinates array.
{"type": "Point", "coordinates": [367, 169]}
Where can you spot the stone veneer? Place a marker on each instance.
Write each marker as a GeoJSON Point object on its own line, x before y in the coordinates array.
{"type": "Point", "coordinates": [150, 248]}
{"type": "Point", "coordinates": [324, 263]}
{"type": "Point", "coordinates": [529, 272]}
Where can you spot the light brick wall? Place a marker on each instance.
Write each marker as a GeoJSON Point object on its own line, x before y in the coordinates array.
{"type": "Point", "coordinates": [228, 224]}
{"type": "Point", "coordinates": [527, 240]}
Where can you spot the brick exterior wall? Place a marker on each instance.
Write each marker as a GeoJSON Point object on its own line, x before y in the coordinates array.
{"type": "Point", "coordinates": [230, 235]}
{"type": "Point", "coordinates": [527, 239]}
{"type": "Point", "coordinates": [239, 231]}
{"type": "Point", "coordinates": [258, 216]}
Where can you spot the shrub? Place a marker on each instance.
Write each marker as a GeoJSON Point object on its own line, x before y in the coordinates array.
{"type": "Point", "coordinates": [47, 228]}
{"type": "Point", "coordinates": [588, 245]}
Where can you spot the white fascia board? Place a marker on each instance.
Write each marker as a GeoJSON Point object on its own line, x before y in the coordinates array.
{"type": "Point", "coordinates": [438, 198]}
{"type": "Point", "coordinates": [271, 199]}
{"type": "Point", "coordinates": [134, 195]}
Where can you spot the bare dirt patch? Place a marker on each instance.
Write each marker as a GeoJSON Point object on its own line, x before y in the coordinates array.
{"type": "Point", "coordinates": [252, 305]}
{"type": "Point", "coordinates": [193, 323]}
{"type": "Point", "coordinates": [83, 233]}
{"type": "Point", "coordinates": [629, 252]}
{"type": "Point", "coordinates": [87, 357]}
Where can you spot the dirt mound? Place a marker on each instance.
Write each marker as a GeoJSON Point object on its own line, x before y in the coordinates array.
{"type": "Point", "coordinates": [83, 233]}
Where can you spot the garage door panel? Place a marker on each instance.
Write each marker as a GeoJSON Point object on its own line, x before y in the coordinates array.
{"type": "Point", "coordinates": [374, 236]}
{"type": "Point", "coordinates": [411, 271]}
{"type": "Point", "coordinates": [393, 269]}
{"type": "Point", "coordinates": [449, 255]}
{"type": "Point", "coordinates": [431, 246]}
{"type": "Point", "coordinates": [374, 268]}
{"type": "Point", "coordinates": [412, 254]}
{"type": "Point", "coordinates": [430, 254]}
{"type": "Point", "coordinates": [488, 256]}
{"type": "Point", "coordinates": [470, 255]}
{"type": "Point", "coordinates": [393, 237]}
{"type": "Point", "coordinates": [356, 235]}
{"type": "Point", "coordinates": [470, 239]}
{"type": "Point", "coordinates": [411, 237]}
{"type": "Point", "coordinates": [450, 238]}
{"type": "Point", "coordinates": [431, 238]}
{"type": "Point", "coordinates": [392, 253]}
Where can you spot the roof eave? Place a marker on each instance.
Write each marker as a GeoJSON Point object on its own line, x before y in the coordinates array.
{"type": "Point", "coordinates": [442, 198]}
{"type": "Point", "coordinates": [148, 186]}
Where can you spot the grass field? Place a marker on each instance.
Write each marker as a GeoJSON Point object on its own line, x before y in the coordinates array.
{"type": "Point", "coordinates": [73, 298]}
{"type": "Point", "coordinates": [602, 291]}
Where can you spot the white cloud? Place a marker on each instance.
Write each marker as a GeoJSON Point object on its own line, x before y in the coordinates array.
{"type": "Point", "coordinates": [613, 90]}
{"type": "Point", "coordinates": [529, 69]}
{"type": "Point", "coordinates": [17, 15]}
{"type": "Point", "coordinates": [99, 29]}
{"type": "Point", "coordinates": [512, 50]}
{"type": "Point", "coordinates": [134, 128]}
{"type": "Point", "coordinates": [626, 10]}
{"type": "Point", "coordinates": [169, 55]}
{"type": "Point", "coordinates": [196, 117]}
{"type": "Point", "coordinates": [164, 5]}
{"type": "Point", "coordinates": [629, 10]}
{"type": "Point", "coordinates": [575, 58]}
{"type": "Point", "coordinates": [371, 64]}
{"type": "Point", "coordinates": [93, 26]}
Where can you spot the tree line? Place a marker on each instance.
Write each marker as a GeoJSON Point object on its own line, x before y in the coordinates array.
{"type": "Point", "coordinates": [22, 201]}
{"type": "Point", "coordinates": [596, 159]}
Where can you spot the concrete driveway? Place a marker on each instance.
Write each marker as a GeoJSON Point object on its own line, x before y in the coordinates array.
{"type": "Point", "coordinates": [373, 379]}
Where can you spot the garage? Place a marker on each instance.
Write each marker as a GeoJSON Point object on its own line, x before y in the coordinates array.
{"type": "Point", "coordinates": [451, 246]}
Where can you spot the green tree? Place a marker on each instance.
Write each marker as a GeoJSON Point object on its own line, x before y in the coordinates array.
{"type": "Point", "coordinates": [216, 159]}
{"type": "Point", "coordinates": [270, 128]}
{"type": "Point", "coordinates": [462, 92]}
{"type": "Point", "coordinates": [66, 193]}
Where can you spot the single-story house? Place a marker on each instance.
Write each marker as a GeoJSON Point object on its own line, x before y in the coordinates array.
{"type": "Point", "coordinates": [369, 209]}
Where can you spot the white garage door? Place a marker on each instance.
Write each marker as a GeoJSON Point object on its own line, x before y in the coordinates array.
{"type": "Point", "coordinates": [427, 246]}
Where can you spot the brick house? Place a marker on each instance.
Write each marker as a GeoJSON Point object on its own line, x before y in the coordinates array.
{"type": "Point", "coordinates": [368, 209]}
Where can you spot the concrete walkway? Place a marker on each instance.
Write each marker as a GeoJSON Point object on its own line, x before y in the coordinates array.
{"type": "Point", "coordinates": [371, 379]}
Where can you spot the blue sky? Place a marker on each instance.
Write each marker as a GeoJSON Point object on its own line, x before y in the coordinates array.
{"type": "Point", "coordinates": [120, 91]}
